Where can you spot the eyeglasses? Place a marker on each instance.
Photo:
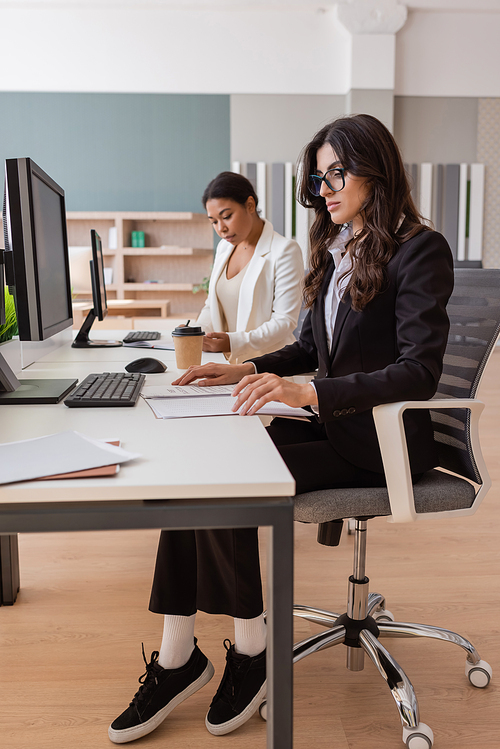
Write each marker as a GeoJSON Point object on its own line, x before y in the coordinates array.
{"type": "Point", "coordinates": [333, 178]}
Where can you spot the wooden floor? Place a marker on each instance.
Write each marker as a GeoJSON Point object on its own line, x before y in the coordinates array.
{"type": "Point", "coordinates": [70, 649]}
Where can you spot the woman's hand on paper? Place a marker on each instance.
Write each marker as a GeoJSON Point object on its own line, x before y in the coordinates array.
{"type": "Point", "coordinates": [214, 374]}
{"type": "Point", "coordinates": [217, 342]}
{"type": "Point", "coordinates": [255, 390]}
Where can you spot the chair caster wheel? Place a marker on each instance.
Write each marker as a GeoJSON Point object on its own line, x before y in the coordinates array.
{"type": "Point", "coordinates": [479, 674]}
{"type": "Point", "coordinates": [383, 616]}
{"type": "Point", "coordinates": [263, 710]}
{"type": "Point", "coordinates": [420, 737]}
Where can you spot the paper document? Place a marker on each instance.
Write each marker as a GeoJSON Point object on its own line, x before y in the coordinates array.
{"type": "Point", "coordinates": [165, 345]}
{"type": "Point", "coordinates": [185, 391]}
{"type": "Point", "coordinates": [182, 408]}
{"type": "Point", "coordinates": [56, 453]}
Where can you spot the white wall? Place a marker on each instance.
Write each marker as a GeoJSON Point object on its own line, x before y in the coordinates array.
{"type": "Point", "coordinates": [449, 54]}
{"type": "Point", "coordinates": [236, 47]}
{"type": "Point", "coordinates": [156, 49]}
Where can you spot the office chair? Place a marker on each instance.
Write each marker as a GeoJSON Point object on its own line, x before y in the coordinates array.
{"type": "Point", "coordinates": [474, 311]}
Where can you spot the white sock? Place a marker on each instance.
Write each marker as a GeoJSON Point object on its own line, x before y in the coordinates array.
{"type": "Point", "coordinates": [178, 640]}
{"type": "Point", "coordinates": [250, 635]}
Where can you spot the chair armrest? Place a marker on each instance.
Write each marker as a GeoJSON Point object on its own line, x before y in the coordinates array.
{"type": "Point", "coordinates": [392, 441]}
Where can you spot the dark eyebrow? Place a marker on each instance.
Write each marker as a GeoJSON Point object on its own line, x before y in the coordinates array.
{"type": "Point", "coordinates": [332, 166]}
{"type": "Point", "coordinates": [220, 213]}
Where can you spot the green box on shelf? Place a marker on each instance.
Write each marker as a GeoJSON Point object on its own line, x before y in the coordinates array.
{"type": "Point", "coordinates": [138, 239]}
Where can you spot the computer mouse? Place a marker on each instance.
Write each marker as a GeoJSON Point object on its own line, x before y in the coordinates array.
{"type": "Point", "coordinates": [146, 365]}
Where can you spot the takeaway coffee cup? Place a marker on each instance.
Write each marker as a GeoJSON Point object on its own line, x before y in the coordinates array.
{"type": "Point", "coordinates": [188, 342]}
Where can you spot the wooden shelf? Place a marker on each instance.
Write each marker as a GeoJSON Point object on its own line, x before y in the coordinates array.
{"type": "Point", "coordinates": [158, 287]}
{"type": "Point", "coordinates": [165, 251]}
{"type": "Point", "coordinates": [179, 250]}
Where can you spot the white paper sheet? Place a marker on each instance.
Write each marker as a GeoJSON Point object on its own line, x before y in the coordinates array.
{"type": "Point", "coordinates": [183, 408]}
{"type": "Point", "coordinates": [56, 453]}
{"type": "Point", "coordinates": [164, 345]}
{"type": "Point", "coordinates": [185, 391]}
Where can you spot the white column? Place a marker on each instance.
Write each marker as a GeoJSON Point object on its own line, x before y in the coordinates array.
{"type": "Point", "coordinates": [289, 198]}
{"type": "Point", "coordinates": [462, 211]}
{"type": "Point", "coordinates": [373, 25]}
{"type": "Point", "coordinates": [425, 197]}
{"type": "Point", "coordinates": [262, 188]}
{"type": "Point", "coordinates": [476, 212]}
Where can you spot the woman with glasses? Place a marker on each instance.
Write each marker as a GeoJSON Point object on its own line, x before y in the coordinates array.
{"type": "Point", "coordinates": [254, 295]}
{"type": "Point", "coordinates": [376, 332]}
{"type": "Point", "coordinates": [377, 326]}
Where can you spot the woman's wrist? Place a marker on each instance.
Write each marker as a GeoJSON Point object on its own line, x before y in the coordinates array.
{"type": "Point", "coordinates": [311, 396]}
{"type": "Point", "coordinates": [247, 368]}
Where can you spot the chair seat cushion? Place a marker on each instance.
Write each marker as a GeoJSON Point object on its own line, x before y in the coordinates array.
{"type": "Point", "coordinates": [435, 492]}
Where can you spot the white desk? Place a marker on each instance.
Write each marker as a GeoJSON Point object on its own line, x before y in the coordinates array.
{"type": "Point", "coordinates": [160, 491]}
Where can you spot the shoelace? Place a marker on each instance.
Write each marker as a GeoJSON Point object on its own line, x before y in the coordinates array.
{"type": "Point", "coordinates": [148, 679]}
{"type": "Point", "coordinates": [232, 676]}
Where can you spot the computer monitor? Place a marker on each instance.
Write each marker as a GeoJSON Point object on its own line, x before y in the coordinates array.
{"type": "Point", "coordinates": [2, 277]}
{"type": "Point", "coordinates": [37, 271]}
{"type": "Point", "coordinates": [37, 245]}
{"type": "Point", "coordinates": [99, 300]}
{"type": "Point", "coordinates": [2, 290]}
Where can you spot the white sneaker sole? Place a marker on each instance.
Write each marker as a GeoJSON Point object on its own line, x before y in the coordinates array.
{"type": "Point", "coordinates": [238, 720]}
{"type": "Point", "coordinates": [130, 734]}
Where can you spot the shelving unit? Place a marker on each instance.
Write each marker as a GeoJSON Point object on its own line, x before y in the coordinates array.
{"type": "Point", "coordinates": [177, 256]}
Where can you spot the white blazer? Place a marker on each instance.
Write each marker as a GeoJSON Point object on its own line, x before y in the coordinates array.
{"type": "Point", "coordinates": [270, 296]}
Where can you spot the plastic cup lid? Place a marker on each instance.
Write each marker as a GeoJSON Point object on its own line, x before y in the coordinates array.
{"type": "Point", "coordinates": [183, 330]}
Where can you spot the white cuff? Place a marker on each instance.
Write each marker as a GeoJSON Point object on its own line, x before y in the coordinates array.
{"type": "Point", "coordinates": [315, 409]}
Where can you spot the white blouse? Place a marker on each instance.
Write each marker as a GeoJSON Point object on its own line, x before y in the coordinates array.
{"type": "Point", "coordinates": [227, 291]}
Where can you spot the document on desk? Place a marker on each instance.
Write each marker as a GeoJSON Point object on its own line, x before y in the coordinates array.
{"type": "Point", "coordinates": [188, 407]}
{"type": "Point", "coordinates": [164, 345]}
{"type": "Point", "coordinates": [185, 391]}
{"type": "Point", "coordinates": [56, 453]}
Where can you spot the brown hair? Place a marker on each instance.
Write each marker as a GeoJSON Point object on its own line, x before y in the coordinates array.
{"type": "Point", "coordinates": [365, 148]}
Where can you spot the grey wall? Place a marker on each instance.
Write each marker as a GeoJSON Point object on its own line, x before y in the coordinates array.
{"type": "Point", "coordinates": [436, 129]}
{"type": "Point", "coordinates": [276, 127]}
{"type": "Point", "coordinates": [123, 152]}
{"type": "Point", "coordinates": [377, 102]}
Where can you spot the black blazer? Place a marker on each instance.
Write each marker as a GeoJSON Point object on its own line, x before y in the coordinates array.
{"type": "Point", "coordinates": [392, 350]}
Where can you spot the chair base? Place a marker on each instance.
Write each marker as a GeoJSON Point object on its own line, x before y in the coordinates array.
{"type": "Point", "coordinates": [363, 636]}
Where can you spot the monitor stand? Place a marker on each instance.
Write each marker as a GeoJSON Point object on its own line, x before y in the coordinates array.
{"type": "Point", "coordinates": [28, 392]}
{"type": "Point", "coordinates": [82, 339]}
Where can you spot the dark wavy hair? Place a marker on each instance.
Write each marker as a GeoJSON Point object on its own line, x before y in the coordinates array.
{"type": "Point", "coordinates": [230, 185]}
{"type": "Point", "coordinates": [365, 148]}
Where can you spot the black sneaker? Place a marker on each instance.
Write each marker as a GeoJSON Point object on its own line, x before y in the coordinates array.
{"type": "Point", "coordinates": [161, 690]}
{"type": "Point", "coordinates": [240, 692]}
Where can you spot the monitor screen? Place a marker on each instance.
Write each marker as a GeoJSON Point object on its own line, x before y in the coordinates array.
{"type": "Point", "coordinates": [35, 220]}
{"type": "Point", "coordinates": [99, 301]}
{"type": "Point", "coordinates": [2, 277]}
{"type": "Point", "coordinates": [97, 277]}
{"type": "Point", "coordinates": [2, 291]}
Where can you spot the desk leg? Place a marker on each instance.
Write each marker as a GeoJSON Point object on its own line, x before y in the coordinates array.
{"type": "Point", "coordinates": [9, 570]}
{"type": "Point", "coordinates": [280, 635]}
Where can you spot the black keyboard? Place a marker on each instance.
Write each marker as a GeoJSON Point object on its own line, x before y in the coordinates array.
{"type": "Point", "coordinates": [141, 335]}
{"type": "Point", "coordinates": [107, 389]}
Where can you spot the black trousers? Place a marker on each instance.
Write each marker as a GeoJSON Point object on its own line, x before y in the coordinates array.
{"type": "Point", "coordinates": [218, 571]}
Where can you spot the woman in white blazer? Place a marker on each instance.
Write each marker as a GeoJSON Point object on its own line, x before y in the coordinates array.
{"type": "Point", "coordinates": [252, 309]}
{"type": "Point", "coordinates": [254, 296]}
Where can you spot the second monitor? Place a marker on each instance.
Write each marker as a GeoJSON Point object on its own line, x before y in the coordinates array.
{"type": "Point", "coordinates": [99, 299]}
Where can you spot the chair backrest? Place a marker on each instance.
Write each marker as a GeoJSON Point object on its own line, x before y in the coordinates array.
{"type": "Point", "coordinates": [474, 311]}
